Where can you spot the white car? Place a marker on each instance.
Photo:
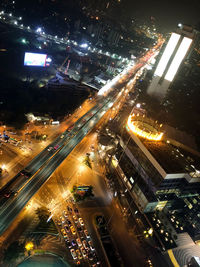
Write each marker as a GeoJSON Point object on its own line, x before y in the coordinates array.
{"type": "Point", "coordinates": [84, 253]}
{"type": "Point", "coordinates": [91, 245]}
{"type": "Point", "coordinates": [86, 234]}
{"type": "Point", "coordinates": [50, 148]}
{"type": "Point", "coordinates": [73, 254]}
{"type": "Point", "coordinates": [81, 221]}
{"type": "Point", "coordinates": [79, 242]}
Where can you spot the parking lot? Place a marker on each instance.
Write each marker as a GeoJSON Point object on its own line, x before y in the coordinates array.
{"type": "Point", "coordinates": [77, 238]}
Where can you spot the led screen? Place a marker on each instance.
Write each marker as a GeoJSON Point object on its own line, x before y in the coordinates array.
{"type": "Point", "coordinates": [178, 58]}
{"type": "Point", "coordinates": [34, 59]}
{"type": "Point", "coordinates": [167, 54]}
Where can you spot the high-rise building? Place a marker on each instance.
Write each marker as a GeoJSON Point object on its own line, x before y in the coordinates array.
{"type": "Point", "coordinates": [161, 176]}
{"type": "Point", "coordinates": [178, 48]}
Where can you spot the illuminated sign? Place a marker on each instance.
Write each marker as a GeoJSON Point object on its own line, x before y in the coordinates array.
{"type": "Point", "coordinates": [180, 54]}
{"type": "Point", "coordinates": [35, 59]}
{"type": "Point", "coordinates": [167, 54]}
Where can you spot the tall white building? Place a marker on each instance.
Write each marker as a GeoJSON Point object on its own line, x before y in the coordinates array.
{"type": "Point", "coordinates": [175, 51]}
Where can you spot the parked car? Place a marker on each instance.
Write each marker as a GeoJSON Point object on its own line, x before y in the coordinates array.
{"type": "Point", "coordinates": [73, 253]}
{"type": "Point", "coordinates": [72, 230]}
{"type": "Point", "coordinates": [79, 242]}
{"type": "Point", "coordinates": [81, 221]}
{"type": "Point", "coordinates": [86, 234]}
{"type": "Point", "coordinates": [91, 245]}
{"type": "Point", "coordinates": [84, 253]}
{"type": "Point", "coordinates": [79, 254]}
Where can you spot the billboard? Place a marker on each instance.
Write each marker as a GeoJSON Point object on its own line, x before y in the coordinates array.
{"type": "Point", "coordinates": [171, 45]}
{"type": "Point", "coordinates": [35, 59]}
{"type": "Point", "coordinates": [178, 58]}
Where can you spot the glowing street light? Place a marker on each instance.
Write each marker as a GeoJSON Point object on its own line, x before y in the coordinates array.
{"type": "Point", "coordinates": [29, 246]}
{"type": "Point", "coordinates": [84, 45]}
{"type": "Point", "coordinates": [39, 30]}
{"type": "Point", "coordinates": [3, 166]}
{"type": "Point", "coordinates": [138, 105]}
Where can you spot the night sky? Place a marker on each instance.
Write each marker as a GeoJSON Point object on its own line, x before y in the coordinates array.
{"type": "Point", "coordinates": [168, 13]}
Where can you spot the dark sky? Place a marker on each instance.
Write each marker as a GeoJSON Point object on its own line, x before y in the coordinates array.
{"type": "Point", "coordinates": [168, 13]}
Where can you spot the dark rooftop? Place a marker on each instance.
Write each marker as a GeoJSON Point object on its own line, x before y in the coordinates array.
{"type": "Point", "coordinates": [172, 159]}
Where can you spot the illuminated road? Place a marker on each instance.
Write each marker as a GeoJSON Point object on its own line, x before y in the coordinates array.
{"type": "Point", "coordinates": [13, 206]}
{"type": "Point", "coordinates": [43, 165]}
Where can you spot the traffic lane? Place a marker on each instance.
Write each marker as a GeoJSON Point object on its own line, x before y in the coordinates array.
{"type": "Point", "coordinates": [10, 212]}
{"type": "Point", "coordinates": [28, 191]}
{"type": "Point", "coordinates": [39, 160]}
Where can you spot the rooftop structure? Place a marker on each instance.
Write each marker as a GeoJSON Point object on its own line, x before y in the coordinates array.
{"type": "Point", "coordinates": [175, 52]}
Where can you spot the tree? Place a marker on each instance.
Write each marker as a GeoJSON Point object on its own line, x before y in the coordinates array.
{"type": "Point", "coordinates": [43, 214]}
{"type": "Point", "coordinates": [13, 251]}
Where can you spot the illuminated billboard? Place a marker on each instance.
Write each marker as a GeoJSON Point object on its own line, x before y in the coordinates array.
{"type": "Point", "coordinates": [167, 54]}
{"type": "Point", "coordinates": [35, 59]}
{"type": "Point", "coordinates": [180, 54]}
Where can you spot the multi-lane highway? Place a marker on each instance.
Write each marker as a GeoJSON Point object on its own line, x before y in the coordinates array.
{"type": "Point", "coordinates": [46, 163]}
{"type": "Point", "coordinates": [26, 184]}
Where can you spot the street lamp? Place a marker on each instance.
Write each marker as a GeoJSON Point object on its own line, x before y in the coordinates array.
{"type": "Point", "coordinates": [29, 246]}
{"type": "Point", "coordinates": [3, 166]}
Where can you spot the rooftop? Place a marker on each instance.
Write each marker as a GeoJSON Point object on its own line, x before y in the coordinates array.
{"type": "Point", "coordinates": [171, 158]}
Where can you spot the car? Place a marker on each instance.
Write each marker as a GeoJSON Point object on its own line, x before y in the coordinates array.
{"type": "Point", "coordinates": [79, 254]}
{"type": "Point", "coordinates": [69, 209]}
{"type": "Point", "coordinates": [81, 221]}
{"type": "Point", "coordinates": [84, 120]}
{"type": "Point", "coordinates": [90, 256]}
{"type": "Point", "coordinates": [79, 228]}
{"type": "Point", "coordinates": [66, 228]}
{"type": "Point", "coordinates": [65, 214]}
{"type": "Point", "coordinates": [78, 241]}
{"type": "Point", "coordinates": [70, 128]}
{"type": "Point", "coordinates": [64, 233]}
{"type": "Point", "coordinates": [10, 194]}
{"type": "Point", "coordinates": [96, 259]}
{"type": "Point", "coordinates": [85, 245]}
{"type": "Point", "coordinates": [91, 245]}
{"type": "Point", "coordinates": [62, 136]}
{"type": "Point", "coordinates": [59, 223]}
{"type": "Point", "coordinates": [62, 219]}
{"type": "Point", "coordinates": [76, 211]}
{"type": "Point", "coordinates": [75, 219]}
{"type": "Point", "coordinates": [25, 173]}
{"type": "Point", "coordinates": [84, 253]}
{"type": "Point", "coordinates": [68, 243]}
{"type": "Point", "coordinates": [69, 222]}
{"type": "Point", "coordinates": [50, 148]}
{"type": "Point", "coordinates": [72, 230]}
{"type": "Point", "coordinates": [86, 234]}
{"type": "Point", "coordinates": [56, 147]}
{"type": "Point", "coordinates": [73, 253]}
{"type": "Point", "coordinates": [73, 243]}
